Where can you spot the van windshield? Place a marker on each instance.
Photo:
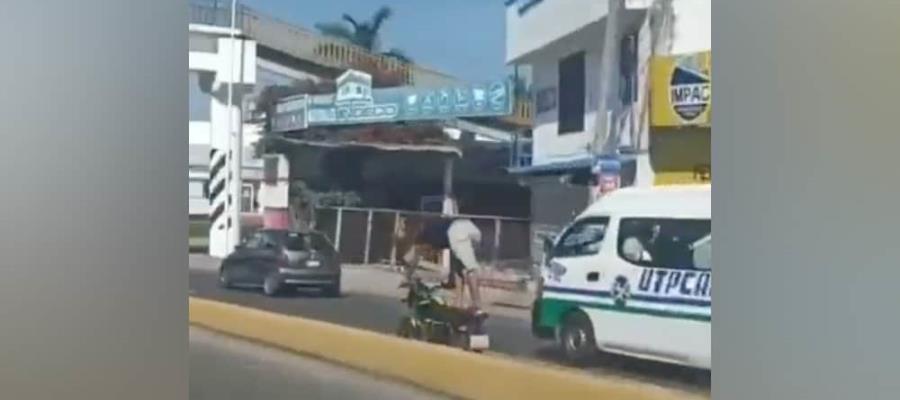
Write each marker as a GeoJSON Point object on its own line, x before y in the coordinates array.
{"type": "Point", "coordinates": [582, 238]}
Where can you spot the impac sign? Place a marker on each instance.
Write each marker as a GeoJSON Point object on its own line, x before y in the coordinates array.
{"type": "Point", "coordinates": [681, 90]}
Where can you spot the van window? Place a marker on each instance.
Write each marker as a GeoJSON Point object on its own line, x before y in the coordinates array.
{"type": "Point", "coordinates": [666, 242]}
{"type": "Point", "coordinates": [582, 238]}
{"type": "Point", "coordinates": [702, 252]}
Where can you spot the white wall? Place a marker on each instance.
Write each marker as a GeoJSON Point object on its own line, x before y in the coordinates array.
{"type": "Point", "coordinates": [549, 146]}
{"type": "Point", "coordinates": [545, 22]}
{"type": "Point", "coordinates": [693, 26]}
{"type": "Point", "coordinates": [198, 132]}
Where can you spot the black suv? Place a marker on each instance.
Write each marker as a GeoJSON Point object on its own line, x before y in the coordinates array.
{"type": "Point", "coordinates": [278, 259]}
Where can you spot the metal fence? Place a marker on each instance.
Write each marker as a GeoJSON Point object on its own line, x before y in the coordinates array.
{"type": "Point", "coordinates": [366, 236]}
{"type": "Point", "coordinates": [215, 13]}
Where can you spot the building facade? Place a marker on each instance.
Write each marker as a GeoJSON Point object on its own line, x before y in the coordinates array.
{"type": "Point", "coordinates": [681, 98]}
{"type": "Point", "coordinates": [562, 42]}
{"type": "Point", "coordinates": [269, 52]}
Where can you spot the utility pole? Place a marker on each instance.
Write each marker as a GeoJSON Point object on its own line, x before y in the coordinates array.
{"type": "Point", "coordinates": [601, 144]}
{"type": "Point", "coordinates": [236, 140]}
{"type": "Point", "coordinates": [604, 143]}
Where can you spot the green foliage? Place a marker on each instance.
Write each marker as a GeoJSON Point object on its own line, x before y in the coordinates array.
{"type": "Point", "coordinates": [365, 34]}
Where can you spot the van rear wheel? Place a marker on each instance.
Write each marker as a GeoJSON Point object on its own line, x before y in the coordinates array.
{"type": "Point", "coordinates": [576, 338]}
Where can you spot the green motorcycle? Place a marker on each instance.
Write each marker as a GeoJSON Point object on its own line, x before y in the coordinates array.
{"type": "Point", "coordinates": [430, 319]}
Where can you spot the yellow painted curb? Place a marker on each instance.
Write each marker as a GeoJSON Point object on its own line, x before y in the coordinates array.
{"type": "Point", "coordinates": [440, 368]}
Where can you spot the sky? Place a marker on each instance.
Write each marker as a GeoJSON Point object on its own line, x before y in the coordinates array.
{"type": "Point", "coordinates": [464, 38]}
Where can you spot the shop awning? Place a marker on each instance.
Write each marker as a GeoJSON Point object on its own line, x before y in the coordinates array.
{"type": "Point", "coordinates": [376, 145]}
{"type": "Point", "coordinates": [583, 163]}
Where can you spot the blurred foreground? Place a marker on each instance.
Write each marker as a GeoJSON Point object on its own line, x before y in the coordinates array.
{"type": "Point", "coordinates": [223, 368]}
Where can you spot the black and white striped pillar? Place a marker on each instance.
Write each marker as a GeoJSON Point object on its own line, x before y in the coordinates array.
{"type": "Point", "coordinates": [220, 177]}
{"type": "Point", "coordinates": [218, 184]}
{"type": "Point", "coordinates": [218, 201]}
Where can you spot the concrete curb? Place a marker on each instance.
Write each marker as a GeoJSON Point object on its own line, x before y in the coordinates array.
{"type": "Point", "coordinates": [438, 368]}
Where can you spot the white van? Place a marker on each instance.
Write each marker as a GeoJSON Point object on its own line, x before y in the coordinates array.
{"type": "Point", "coordinates": [632, 275]}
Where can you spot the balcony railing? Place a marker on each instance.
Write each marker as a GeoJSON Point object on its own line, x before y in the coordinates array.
{"type": "Point", "coordinates": [215, 13]}
{"type": "Point", "coordinates": [306, 44]}
{"type": "Point", "coordinates": [345, 55]}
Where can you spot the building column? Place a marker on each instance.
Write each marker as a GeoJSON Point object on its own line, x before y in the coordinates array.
{"type": "Point", "coordinates": [239, 68]}
{"type": "Point", "coordinates": [220, 174]}
{"type": "Point", "coordinates": [273, 192]}
{"type": "Point", "coordinates": [450, 207]}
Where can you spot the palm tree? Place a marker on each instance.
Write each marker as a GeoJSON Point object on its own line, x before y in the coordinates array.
{"type": "Point", "coordinates": [364, 34]}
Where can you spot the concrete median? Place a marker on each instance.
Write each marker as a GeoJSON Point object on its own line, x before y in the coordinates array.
{"type": "Point", "coordinates": [438, 368]}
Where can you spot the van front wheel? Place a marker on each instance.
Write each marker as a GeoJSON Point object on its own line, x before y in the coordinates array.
{"type": "Point", "coordinates": [576, 338]}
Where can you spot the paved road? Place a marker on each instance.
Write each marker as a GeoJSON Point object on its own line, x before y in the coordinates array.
{"type": "Point", "coordinates": [509, 335]}
{"type": "Point", "coordinates": [222, 368]}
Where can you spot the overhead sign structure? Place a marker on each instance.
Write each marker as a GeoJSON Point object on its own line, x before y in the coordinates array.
{"type": "Point", "coordinates": [681, 92]}
{"type": "Point", "coordinates": [290, 114]}
{"type": "Point", "coordinates": [356, 102]}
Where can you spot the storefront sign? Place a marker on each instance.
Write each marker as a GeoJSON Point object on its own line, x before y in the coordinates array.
{"type": "Point", "coordinates": [290, 114]}
{"type": "Point", "coordinates": [356, 102]}
{"type": "Point", "coordinates": [681, 91]}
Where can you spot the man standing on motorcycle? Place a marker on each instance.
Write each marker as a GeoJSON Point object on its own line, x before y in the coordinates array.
{"type": "Point", "coordinates": [460, 236]}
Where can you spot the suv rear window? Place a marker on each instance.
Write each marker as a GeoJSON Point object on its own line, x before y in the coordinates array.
{"type": "Point", "coordinates": [295, 241]}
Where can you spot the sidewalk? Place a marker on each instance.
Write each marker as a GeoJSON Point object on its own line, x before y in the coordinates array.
{"type": "Point", "coordinates": [503, 293]}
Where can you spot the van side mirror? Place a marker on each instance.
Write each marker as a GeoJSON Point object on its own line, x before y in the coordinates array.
{"type": "Point", "coordinates": [548, 246]}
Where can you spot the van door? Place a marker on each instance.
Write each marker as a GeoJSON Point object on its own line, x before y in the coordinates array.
{"type": "Point", "coordinates": [572, 268]}
{"type": "Point", "coordinates": [665, 265]}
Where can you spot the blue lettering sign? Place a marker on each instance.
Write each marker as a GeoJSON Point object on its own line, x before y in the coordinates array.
{"type": "Point", "coordinates": [660, 277]}
{"type": "Point", "coordinates": [357, 102]}
{"type": "Point", "coordinates": [675, 282]}
{"type": "Point", "coordinates": [674, 279]}
{"type": "Point", "coordinates": [685, 283]}
{"type": "Point", "coordinates": [646, 279]}
{"type": "Point", "coordinates": [703, 284]}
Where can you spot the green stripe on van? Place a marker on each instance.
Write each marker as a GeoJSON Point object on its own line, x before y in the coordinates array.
{"type": "Point", "coordinates": [553, 310]}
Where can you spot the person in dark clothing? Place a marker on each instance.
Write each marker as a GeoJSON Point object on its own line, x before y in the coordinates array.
{"type": "Point", "coordinates": [435, 236]}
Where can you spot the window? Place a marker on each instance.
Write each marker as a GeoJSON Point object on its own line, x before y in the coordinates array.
{"type": "Point", "coordinates": [247, 200]}
{"type": "Point", "coordinates": [254, 242]}
{"type": "Point", "coordinates": [666, 242]}
{"type": "Point", "coordinates": [703, 253]}
{"type": "Point", "coordinates": [582, 239]}
{"type": "Point", "coordinates": [269, 239]}
{"type": "Point", "coordinates": [270, 170]}
{"type": "Point", "coordinates": [571, 93]}
{"type": "Point", "coordinates": [628, 69]}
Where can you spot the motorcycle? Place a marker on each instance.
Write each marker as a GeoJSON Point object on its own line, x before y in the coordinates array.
{"type": "Point", "coordinates": [430, 319]}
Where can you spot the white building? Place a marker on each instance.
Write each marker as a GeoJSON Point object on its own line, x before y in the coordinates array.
{"type": "Point", "coordinates": [562, 43]}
